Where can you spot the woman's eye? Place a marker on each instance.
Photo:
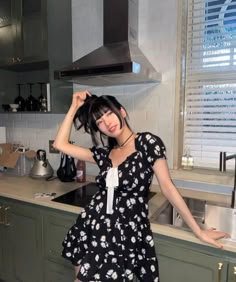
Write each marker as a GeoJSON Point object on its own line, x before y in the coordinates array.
{"type": "Point", "coordinates": [109, 113]}
{"type": "Point", "coordinates": [98, 122]}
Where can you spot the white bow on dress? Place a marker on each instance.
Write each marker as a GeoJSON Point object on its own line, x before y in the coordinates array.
{"type": "Point", "coordinates": [112, 181]}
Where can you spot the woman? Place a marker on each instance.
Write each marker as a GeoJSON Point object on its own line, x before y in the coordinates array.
{"type": "Point", "coordinates": [112, 239]}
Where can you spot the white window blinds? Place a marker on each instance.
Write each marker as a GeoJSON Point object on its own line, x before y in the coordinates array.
{"type": "Point", "coordinates": [210, 86]}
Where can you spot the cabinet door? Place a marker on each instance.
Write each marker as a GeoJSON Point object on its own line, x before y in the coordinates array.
{"type": "Point", "coordinates": [232, 272]}
{"type": "Point", "coordinates": [56, 226]}
{"type": "Point", "coordinates": [178, 264]}
{"type": "Point", "coordinates": [4, 257]}
{"type": "Point", "coordinates": [25, 242]}
{"type": "Point", "coordinates": [58, 273]}
{"type": "Point", "coordinates": [32, 34]}
{"type": "Point", "coordinates": [7, 33]}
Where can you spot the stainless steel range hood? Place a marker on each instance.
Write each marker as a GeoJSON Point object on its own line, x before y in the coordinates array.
{"type": "Point", "coordinates": [118, 61]}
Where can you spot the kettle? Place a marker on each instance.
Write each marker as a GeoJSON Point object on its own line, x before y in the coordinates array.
{"type": "Point", "coordinates": [41, 167]}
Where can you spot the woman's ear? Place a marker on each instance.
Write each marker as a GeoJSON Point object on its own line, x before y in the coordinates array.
{"type": "Point", "coordinates": [123, 112]}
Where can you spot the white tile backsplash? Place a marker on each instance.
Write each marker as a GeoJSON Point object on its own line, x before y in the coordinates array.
{"type": "Point", "coordinates": [150, 106]}
{"type": "Point", "coordinates": [2, 134]}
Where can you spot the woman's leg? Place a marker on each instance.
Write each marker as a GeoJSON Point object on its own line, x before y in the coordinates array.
{"type": "Point", "coordinates": [76, 273]}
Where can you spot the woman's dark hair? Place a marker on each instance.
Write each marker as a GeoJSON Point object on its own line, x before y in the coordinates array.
{"type": "Point", "coordinates": [92, 109]}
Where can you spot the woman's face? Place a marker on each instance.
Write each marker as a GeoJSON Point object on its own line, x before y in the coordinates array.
{"type": "Point", "coordinates": [109, 124]}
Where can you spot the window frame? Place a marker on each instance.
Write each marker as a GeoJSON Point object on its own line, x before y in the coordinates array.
{"type": "Point", "coordinates": [180, 85]}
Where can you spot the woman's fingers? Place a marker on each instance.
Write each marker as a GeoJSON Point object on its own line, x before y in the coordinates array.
{"type": "Point", "coordinates": [211, 235]}
{"type": "Point", "coordinates": [80, 97]}
{"type": "Point", "coordinates": [217, 234]}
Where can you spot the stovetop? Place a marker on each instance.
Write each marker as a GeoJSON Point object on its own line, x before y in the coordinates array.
{"type": "Point", "coordinates": [79, 197]}
{"type": "Point", "coordinates": [82, 196]}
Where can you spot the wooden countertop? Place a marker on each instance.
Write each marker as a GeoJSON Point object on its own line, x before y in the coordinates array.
{"type": "Point", "coordinates": [25, 188]}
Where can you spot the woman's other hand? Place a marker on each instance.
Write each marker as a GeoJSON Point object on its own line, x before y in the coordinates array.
{"type": "Point", "coordinates": [211, 236]}
{"type": "Point", "coordinates": [79, 98]}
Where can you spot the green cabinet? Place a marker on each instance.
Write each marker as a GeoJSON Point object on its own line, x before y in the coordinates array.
{"type": "Point", "coordinates": [56, 225]}
{"type": "Point", "coordinates": [35, 40]}
{"type": "Point", "coordinates": [232, 272]}
{"type": "Point", "coordinates": [21, 229]}
{"type": "Point", "coordinates": [25, 236]}
{"type": "Point", "coordinates": [7, 32]}
{"type": "Point", "coordinates": [30, 249]}
{"type": "Point", "coordinates": [30, 243]}
{"type": "Point", "coordinates": [31, 34]}
{"type": "Point", "coordinates": [4, 255]}
{"type": "Point", "coordinates": [178, 264]}
{"type": "Point", "coordinates": [58, 273]}
{"type": "Point", "coordinates": [24, 36]}
{"type": "Point", "coordinates": [183, 261]}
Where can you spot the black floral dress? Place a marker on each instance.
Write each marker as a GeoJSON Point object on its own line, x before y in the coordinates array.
{"type": "Point", "coordinates": [114, 247]}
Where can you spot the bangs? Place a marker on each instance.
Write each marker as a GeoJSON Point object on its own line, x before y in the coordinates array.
{"type": "Point", "coordinates": [101, 106]}
{"type": "Point", "coordinates": [98, 112]}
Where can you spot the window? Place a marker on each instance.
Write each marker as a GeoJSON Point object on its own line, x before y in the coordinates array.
{"type": "Point", "coordinates": [210, 81]}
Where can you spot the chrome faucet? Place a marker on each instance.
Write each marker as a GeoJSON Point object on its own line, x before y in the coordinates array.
{"type": "Point", "coordinates": [223, 159]}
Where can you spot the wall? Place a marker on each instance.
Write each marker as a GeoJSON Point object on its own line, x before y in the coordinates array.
{"type": "Point", "coordinates": [150, 107]}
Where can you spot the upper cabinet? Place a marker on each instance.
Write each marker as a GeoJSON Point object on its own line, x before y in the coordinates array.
{"type": "Point", "coordinates": [31, 30]}
{"type": "Point", "coordinates": [35, 40]}
{"type": "Point", "coordinates": [7, 33]}
{"type": "Point", "coordinates": [24, 36]}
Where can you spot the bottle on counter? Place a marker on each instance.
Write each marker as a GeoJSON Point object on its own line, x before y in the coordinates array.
{"type": "Point", "coordinates": [80, 171]}
{"type": "Point", "coordinates": [187, 160]}
{"type": "Point", "coordinates": [184, 161]}
{"type": "Point", "coordinates": [190, 161]}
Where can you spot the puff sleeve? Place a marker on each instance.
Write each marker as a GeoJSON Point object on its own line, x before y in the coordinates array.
{"type": "Point", "coordinates": [100, 155]}
{"type": "Point", "coordinates": [154, 147]}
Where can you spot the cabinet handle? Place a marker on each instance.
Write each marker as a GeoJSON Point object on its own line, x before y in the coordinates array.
{"type": "Point", "coordinates": [234, 272]}
{"type": "Point", "coordinates": [1, 215]}
{"type": "Point", "coordinates": [220, 266]}
{"type": "Point", "coordinates": [6, 221]}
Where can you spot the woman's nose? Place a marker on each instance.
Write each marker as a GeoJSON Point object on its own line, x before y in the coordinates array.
{"type": "Point", "coordinates": [107, 121]}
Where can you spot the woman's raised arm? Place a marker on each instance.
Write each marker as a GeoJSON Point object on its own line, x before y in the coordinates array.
{"type": "Point", "coordinates": [63, 135]}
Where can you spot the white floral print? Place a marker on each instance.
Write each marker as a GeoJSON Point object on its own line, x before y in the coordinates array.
{"type": "Point", "coordinates": [117, 246]}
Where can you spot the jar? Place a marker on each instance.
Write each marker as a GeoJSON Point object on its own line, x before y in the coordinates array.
{"type": "Point", "coordinates": [80, 171]}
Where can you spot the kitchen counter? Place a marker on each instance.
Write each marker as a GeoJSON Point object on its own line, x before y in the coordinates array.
{"type": "Point", "coordinates": [25, 189]}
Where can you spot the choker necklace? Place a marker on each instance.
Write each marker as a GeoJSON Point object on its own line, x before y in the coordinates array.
{"type": "Point", "coordinates": [123, 144]}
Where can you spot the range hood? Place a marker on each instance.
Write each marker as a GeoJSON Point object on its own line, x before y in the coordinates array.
{"type": "Point", "coordinates": [118, 61]}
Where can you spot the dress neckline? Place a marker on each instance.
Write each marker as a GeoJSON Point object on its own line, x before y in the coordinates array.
{"type": "Point", "coordinates": [128, 157]}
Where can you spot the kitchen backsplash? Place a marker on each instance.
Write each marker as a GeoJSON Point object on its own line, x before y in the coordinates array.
{"type": "Point", "coordinates": [36, 129]}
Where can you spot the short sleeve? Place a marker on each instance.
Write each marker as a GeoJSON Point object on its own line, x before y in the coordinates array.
{"type": "Point", "coordinates": [154, 147]}
{"type": "Point", "coordinates": [100, 155]}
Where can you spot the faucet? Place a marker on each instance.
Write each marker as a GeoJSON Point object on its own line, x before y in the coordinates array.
{"type": "Point", "coordinates": [223, 159]}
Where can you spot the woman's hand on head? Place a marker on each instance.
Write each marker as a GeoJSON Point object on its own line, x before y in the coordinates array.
{"type": "Point", "coordinates": [79, 98]}
{"type": "Point", "coordinates": [211, 236]}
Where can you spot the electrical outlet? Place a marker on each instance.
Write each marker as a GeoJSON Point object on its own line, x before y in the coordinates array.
{"type": "Point", "coordinates": [51, 149]}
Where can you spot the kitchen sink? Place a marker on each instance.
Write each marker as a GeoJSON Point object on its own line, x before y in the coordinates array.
{"type": "Point", "coordinates": [207, 214]}
{"type": "Point", "coordinates": [168, 215]}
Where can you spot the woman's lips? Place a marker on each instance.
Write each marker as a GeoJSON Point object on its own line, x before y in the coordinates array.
{"type": "Point", "coordinates": [112, 129]}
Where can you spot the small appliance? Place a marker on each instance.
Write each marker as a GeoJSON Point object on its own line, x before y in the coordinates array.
{"type": "Point", "coordinates": [41, 167]}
